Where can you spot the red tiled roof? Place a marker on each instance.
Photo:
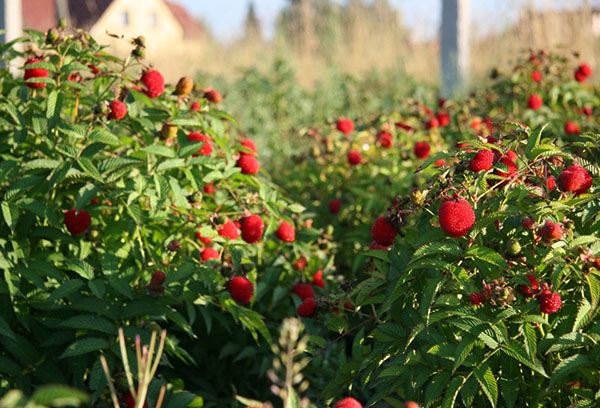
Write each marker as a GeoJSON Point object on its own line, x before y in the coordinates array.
{"type": "Point", "coordinates": [191, 27]}
{"type": "Point", "coordinates": [39, 14]}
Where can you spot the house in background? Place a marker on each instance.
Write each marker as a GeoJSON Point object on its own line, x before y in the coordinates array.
{"type": "Point", "coordinates": [168, 28]}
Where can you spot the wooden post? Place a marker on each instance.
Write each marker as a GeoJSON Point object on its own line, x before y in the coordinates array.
{"type": "Point", "coordinates": [11, 24]}
{"type": "Point", "coordinates": [455, 45]}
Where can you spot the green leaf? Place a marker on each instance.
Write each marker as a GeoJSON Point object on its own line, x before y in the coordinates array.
{"type": "Point", "coordinates": [594, 286]}
{"type": "Point", "coordinates": [51, 104]}
{"type": "Point", "coordinates": [59, 396]}
{"type": "Point", "coordinates": [534, 140]}
{"type": "Point", "coordinates": [171, 164]}
{"type": "Point", "coordinates": [160, 151]}
{"type": "Point", "coordinates": [569, 365]}
{"type": "Point", "coordinates": [5, 329]}
{"type": "Point", "coordinates": [436, 386]}
{"type": "Point", "coordinates": [487, 382]}
{"type": "Point", "coordinates": [85, 195]}
{"type": "Point", "coordinates": [584, 315]}
{"type": "Point", "coordinates": [82, 268]}
{"type": "Point", "coordinates": [85, 346]}
{"type": "Point", "coordinates": [517, 351]}
{"type": "Point", "coordinates": [89, 322]}
{"type": "Point", "coordinates": [104, 136]}
{"type": "Point", "coordinates": [11, 215]}
{"type": "Point", "coordinates": [487, 255]}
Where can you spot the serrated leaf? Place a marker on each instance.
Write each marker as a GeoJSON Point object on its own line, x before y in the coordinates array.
{"type": "Point", "coordinates": [10, 212]}
{"type": "Point", "coordinates": [594, 286]}
{"type": "Point", "coordinates": [85, 346]}
{"type": "Point", "coordinates": [567, 366]}
{"type": "Point", "coordinates": [89, 322]}
{"type": "Point", "coordinates": [160, 151]}
{"type": "Point", "coordinates": [584, 315]}
{"type": "Point", "coordinates": [487, 382]}
{"type": "Point", "coordinates": [517, 351]}
{"type": "Point", "coordinates": [487, 255]}
{"type": "Point", "coordinates": [104, 136]}
{"type": "Point", "coordinates": [534, 140]}
{"type": "Point", "coordinates": [85, 195]}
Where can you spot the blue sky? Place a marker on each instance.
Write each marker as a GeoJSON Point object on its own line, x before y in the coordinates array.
{"type": "Point", "coordinates": [226, 17]}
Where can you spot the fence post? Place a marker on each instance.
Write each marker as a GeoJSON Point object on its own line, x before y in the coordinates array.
{"type": "Point", "coordinates": [455, 45]}
{"type": "Point", "coordinates": [11, 24]}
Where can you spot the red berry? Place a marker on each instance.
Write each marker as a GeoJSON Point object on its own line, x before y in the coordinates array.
{"type": "Point", "coordinates": [229, 230]}
{"type": "Point", "coordinates": [585, 69]}
{"type": "Point", "coordinates": [241, 289]}
{"type": "Point", "coordinates": [154, 83]}
{"type": "Point", "coordinates": [354, 157]}
{"type": "Point", "coordinates": [304, 290]}
{"type": "Point", "coordinates": [422, 150]}
{"type": "Point", "coordinates": [536, 76]}
{"type": "Point", "coordinates": [209, 188]}
{"type": "Point", "coordinates": [477, 299]}
{"type": "Point", "coordinates": [318, 279]}
{"type": "Point", "coordinates": [580, 76]}
{"type": "Point", "coordinates": [433, 123]}
{"type": "Point", "coordinates": [78, 223]}
{"type": "Point", "coordinates": [129, 401]}
{"type": "Point", "coordinates": [209, 253]}
{"type": "Point", "coordinates": [533, 287]}
{"type": "Point", "coordinates": [385, 139]}
{"type": "Point", "coordinates": [377, 245]}
{"type": "Point", "coordinates": [576, 179]}
{"type": "Point", "coordinates": [286, 232]}
{"type": "Point", "coordinates": [206, 149]}
{"type": "Point", "coordinates": [535, 102]}
{"type": "Point", "coordinates": [204, 240]}
{"type": "Point", "coordinates": [212, 95]}
{"type": "Point", "coordinates": [551, 231]}
{"type": "Point", "coordinates": [158, 278]}
{"type": "Point", "coordinates": [571, 128]}
{"type": "Point", "coordinates": [527, 222]}
{"type": "Point", "coordinates": [307, 308]}
{"type": "Point", "coordinates": [252, 229]}
{"type": "Point", "coordinates": [440, 163]}
{"type": "Point", "coordinates": [250, 145]}
{"type": "Point", "coordinates": [249, 164]}
{"type": "Point", "coordinates": [348, 403]}
{"type": "Point", "coordinates": [549, 302]}
{"type": "Point", "coordinates": [456, 218]}
{"type": "Point", "coordinates": [512, 168]}
{"type": "Point", "coordinates": [586, 110]}
{"type": "Point", "coordinates": [443, 118]}
{"type": "Point", "coordinates": [345, 126]}
{"type": "Point", "coordinates": [482, 161]}
{"type": "Point", "coordinates": [334, 206]}
{"type": "Point", "coordinates": [550, 183]}
{"type": "Point", "coordinates": [383, 232]}
{"type": "Point", "coordinates": [118, 110]}
{"type": "Point", "coordinates": [35, 73]}
{"type": "Point", "coordinates": [300, 264]}
{"type": "Point", "coordinates": [195, 107]}
{"type": "Point", "coordinates": [411, 404]}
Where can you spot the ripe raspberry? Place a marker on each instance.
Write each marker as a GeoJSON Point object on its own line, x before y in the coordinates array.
{"type": "Point", "coordinates": [158, 278]}
{"type": "Point", "coordinates": [550, 183]}
{"type": "Point", "coordinates": [579, 76]}
{"type": "Point", "coordinates": [204, 240]}
{"type": "Point", "coordinates": [184, 86]}
{"type": "Point", "coordinates": [410, 404]}
{"type": "Point", "coordinates": [456, 218]}
{"type": "Point", "coordinates": [195, 107]}
{"type": "Point", "coordinates": [535, 102]}
{"type": "Point", "coordinates": [461, 146]}
{"type": "Point", "coordinates": [154, 83]}
{"type": "Point", "coordinates": [129, 401]}
{"type": "Point", "coordinates": [300, 263]}
{"type": "Point", "coordinates": [229, 230]}
{"type": "Point", "coordinates": [422, 150]}
{"type": "Point", "coordinates": [35, 73]}
{"type": "Point", "coordinates": [585, 69]}
{"type": "Point", "coordinates": [527, 222]}
{"type": "Point", "coordinates": [443, 118]}
{"type": "Point", "coordinates": [586, 111]}
{"type": "Point", "coordinates": [249, 144]}
{"type": "Point", "coordinates": [118, 110]}
{"type": "Point", "coordinates": [384, 139]}
{"type": "Point", "coordinates": [354, 157]}
{"type": "Point", "coordinates": [536, 76]}
{"type": "Point", "coordinates": [348, 403]}
{"type": "Point", "coordinates": [345, 126]}
{"type": "Point", "coordinates": [249, 164]}
{"type": "Point", "coordinates": [209, 253]}
{"type": "Point", "coordinates": [334, 206]}
{"type": "Point", "coordinates": [241, 289]}
{"type": "Point", "coordinates": [318, 279]}
{"type": "Point", "coordinates": [209, 188]}
{"type": "Point", "coordinates": [377, 245]}
{"type": "Point", "coordinates": [206, 149]}
{"type": "Point", "coordinates": [482, 161]}
{"type": "Point", "coordinates": [551, 231]}
{"type": "Point", "coordinates": [78, 223]}
{"type": "Point", "coordinates": [440, 163]}
{"type": "Point", "coordinates": [252, 229]}
{"type": "Point", "coordinates": [477, 299]}
{"type": "Point", "coordinates": [433, 123]}
{"type": "Point", "coordinates": [304, 290]}
{"type": "Point", "coordinates": [549, 302]}
{"type": "Point", "coordinates": [512, 168]}
{"type": "Point", "coordinates": [212, 95]}
{"type": "Point", "coordinates": [383, 232]}
{"type": "Point", "coordinates": [533, 287]}
{"type": "Point", "coordinates": [286, 232]}
{"type": "Point", "coordinates": [307, 308]}
{"type": "Point", "coordinates": [576, 179]}
{"type": "Point", "coordinates": [571, 128]}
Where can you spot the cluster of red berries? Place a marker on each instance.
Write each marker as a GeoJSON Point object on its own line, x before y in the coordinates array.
{"type": "Point", "coordinates": [583, 72]}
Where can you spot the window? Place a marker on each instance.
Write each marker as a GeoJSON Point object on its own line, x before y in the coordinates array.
{"type": "Point", "coordinates": [125, 18]}
{"type": "Point", "coordinates": [153, 20]}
